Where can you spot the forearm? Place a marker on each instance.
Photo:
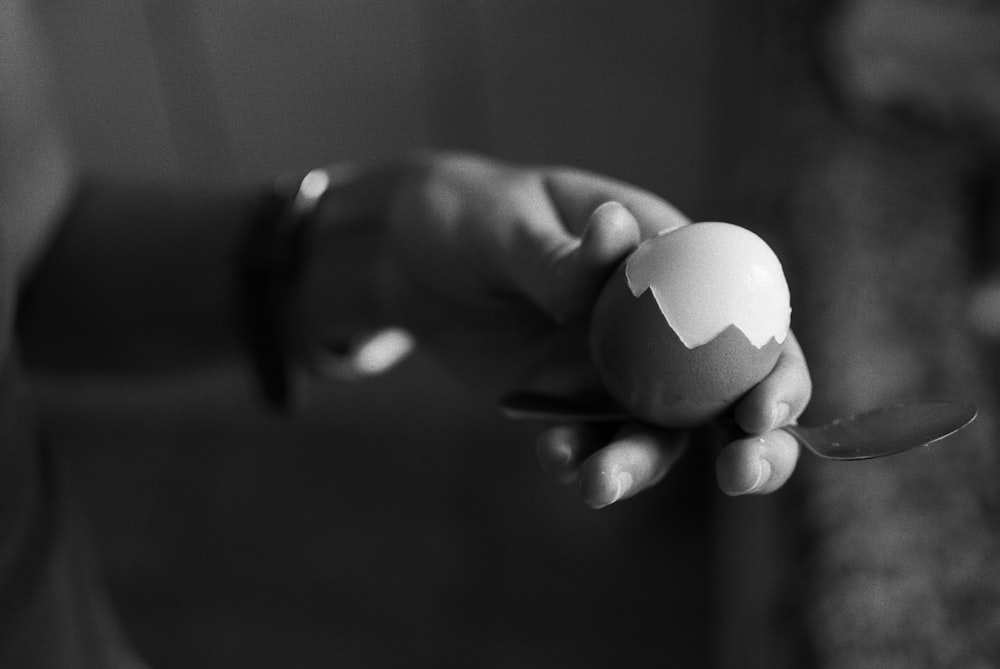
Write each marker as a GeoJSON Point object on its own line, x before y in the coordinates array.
{"type": "Point", "coordinates": [144, 280]}
{"type": "Point", "coordinates": [138, 279]}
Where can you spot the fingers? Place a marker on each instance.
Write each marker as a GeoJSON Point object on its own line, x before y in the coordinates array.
{"type": "Point", "coordinates": [611, 234]}
{"type": "Point", "coordinates": [636, 459]}
{"type": "Point", "coordinates": [565, 262]}
{"type": "Point", "coordinates": [561, 270]}
{"type": "Point", "coordinates": [576, 194]}
{"type": "Point", "coordinates": [764, 462]}
{"type": "Point", "coordinates": [562, 449]}
{"type": "Point", "coordinates": [757, 465]}
{"type": "Point", "coordinates": [781, 397]}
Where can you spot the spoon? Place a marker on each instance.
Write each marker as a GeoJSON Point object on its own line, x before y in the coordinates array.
{"type": "Point", "coordinates": [891, 429]}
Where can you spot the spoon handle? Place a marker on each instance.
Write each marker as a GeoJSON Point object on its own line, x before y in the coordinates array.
{"type": "Point", "coordinates": [546, 407]}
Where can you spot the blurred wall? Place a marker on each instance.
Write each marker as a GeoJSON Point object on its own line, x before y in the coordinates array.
{"type": "Point", "coordinates": [239, 540]}
{"type": "Point", "coordinates": [236, 90]}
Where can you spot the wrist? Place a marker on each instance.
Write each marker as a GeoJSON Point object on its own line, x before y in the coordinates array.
{"type": "Point", "coordinates": [342, 315]}
{"type": "Point", "coordinates": [314, 299]}
{"type": "Point", "coordinates": [338, 294]}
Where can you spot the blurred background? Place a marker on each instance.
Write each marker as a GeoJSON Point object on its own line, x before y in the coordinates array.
{"type": "Point", "coordinates": [400, 521]}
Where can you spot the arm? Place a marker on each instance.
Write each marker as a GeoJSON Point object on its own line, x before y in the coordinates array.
{"type": "Point", "coordinates": [137, 279]}
{"type": "Point", "coordinates": [147, 279]}
{"type": "Point", "coordinates": [493, 267]}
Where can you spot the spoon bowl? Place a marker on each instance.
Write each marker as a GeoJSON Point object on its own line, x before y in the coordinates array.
{"type": "Point", "coordinates": [876, 433]}
{"type": "Point", "coordinates": [888, 430]}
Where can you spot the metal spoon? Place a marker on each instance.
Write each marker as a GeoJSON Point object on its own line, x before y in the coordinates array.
{"type": "Point", "coordinates": [871, 434]}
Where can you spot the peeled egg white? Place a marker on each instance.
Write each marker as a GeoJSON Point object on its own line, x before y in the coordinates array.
{"type": "Point", "coordinates": [692, 320]}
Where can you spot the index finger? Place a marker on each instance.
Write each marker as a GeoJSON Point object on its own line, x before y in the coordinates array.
{"type": "Point", "coordinates": [577, 193]}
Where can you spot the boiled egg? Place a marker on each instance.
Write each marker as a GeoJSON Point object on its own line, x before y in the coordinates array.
{"type": "Point", "coordinates": [692, 320]}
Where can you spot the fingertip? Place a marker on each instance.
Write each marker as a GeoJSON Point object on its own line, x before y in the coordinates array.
{"type": "Point", "coordinates": [757, 465]}
{"type": "Point", "coordinates": [636, 460]}
{"type": "Point", "coordinates": [554, 448]}
{"type": "Point", "coordinates": [604, 488]}
{"type": "Point", "coordinates": [739, 469]}
{"type": "Point", "coordinates": [560, 450]}
{"type": "Point", "coordinates": [781, 397]}
{"type": "Point", "coordinates": [611, 233]}
{"type": "Point", "coordinates": [762, 412]}
{"type": "Point", "coordinates": [780, 452]}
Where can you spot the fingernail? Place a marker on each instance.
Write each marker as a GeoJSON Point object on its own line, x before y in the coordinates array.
{"type": "Point", "coordinates": [623, 485]}
{"type": "Point", "coordinates": [763, 476]}
{"type": "Point", "coordinates": [554, 452]}
{"type": "Point", "coordinates": [755, 477]}
{"type": "Point", "coordinates": [562, 455]}
{"type": "Point", "coordinates": [624, 481]}
{"type": "Point", "coordinates": [558, 460]}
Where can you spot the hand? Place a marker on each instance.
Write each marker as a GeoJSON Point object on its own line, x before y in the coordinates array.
{"type": "Point", "coordinates": [639, 456]}
{"type": "Point", "coordinates": [495, 269]}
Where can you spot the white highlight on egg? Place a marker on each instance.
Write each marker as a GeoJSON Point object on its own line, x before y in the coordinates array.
{"type": "Point", "coordinates": [708, 276]}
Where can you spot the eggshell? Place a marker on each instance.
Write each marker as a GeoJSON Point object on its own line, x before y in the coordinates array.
{"type": "Point", "coordinates": [712, 283]}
